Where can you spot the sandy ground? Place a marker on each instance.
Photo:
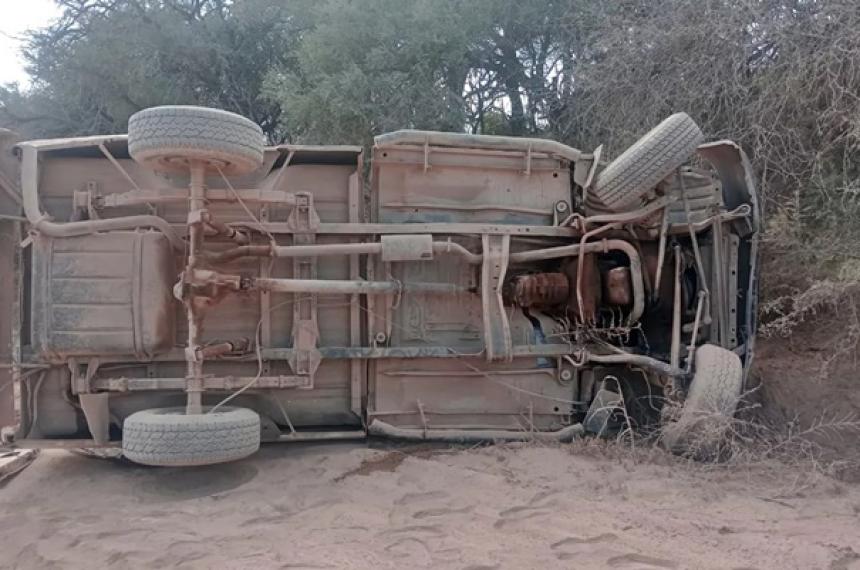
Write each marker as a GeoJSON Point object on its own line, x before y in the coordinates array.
{"type": "Point", "coordinates": [347, 506]}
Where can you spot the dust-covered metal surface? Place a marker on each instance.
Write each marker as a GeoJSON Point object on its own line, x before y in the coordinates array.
{"type": "Point", "coordinates": [102, 294]}
{"type": "Point", "coordinates": [10, 275]}
{"type": "Point", "coordinates": [468, 284]}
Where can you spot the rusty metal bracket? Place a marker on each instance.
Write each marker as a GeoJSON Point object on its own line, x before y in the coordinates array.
{"type": "Point", "coordinates": [303, 217]}
{"type": "Point", "coordinates": [88, 200]}
{"type": "Point", "coordinates": [424, 423]}
{"type": "Point", "coordinates": [82, 383]}
{"type": "Point", "coordinates": [497, 329]}
{"type": "Point", "coordinates": [528, 165]}
{"type": "Point", "coordinates": [595, 162]}
{"type": "Point", "coordinates": [560, 212]}
{"type": "Point", "coordinates": [732, 297]}
{"type": "Point", "coordinates": [426, 156]}
{"type": "Point", "coordinates": [306, 357]}
{"type": "Point", "coordinates": [265, 296]}
{"type": "Point", "coordinates": [566, 373]}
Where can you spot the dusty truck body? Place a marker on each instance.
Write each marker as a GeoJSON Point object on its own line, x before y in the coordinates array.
{"type": "Point", "coordinates": [185, 293]}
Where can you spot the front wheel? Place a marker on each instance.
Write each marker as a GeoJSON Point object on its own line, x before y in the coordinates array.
{"type": "Point", "coordinates": [711, 403]}
{"type": "Point", "coordinates": [169, 437]}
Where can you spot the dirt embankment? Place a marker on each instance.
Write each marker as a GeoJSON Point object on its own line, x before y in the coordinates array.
{"type": "Point", "coordinates": [803, 388]}
{"type": "Point", "coordinates": [346, 506]}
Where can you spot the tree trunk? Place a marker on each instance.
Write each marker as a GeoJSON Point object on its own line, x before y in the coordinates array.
{"type": "Point", "coordinates": [510, 68]}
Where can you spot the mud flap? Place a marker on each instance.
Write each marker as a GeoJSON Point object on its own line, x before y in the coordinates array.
{"type": "Point", "coordinates": [602, 416]}
{"type": "Point", "coordinates": [96, 412]}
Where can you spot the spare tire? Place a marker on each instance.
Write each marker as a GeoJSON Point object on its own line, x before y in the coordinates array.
{"type": "Point", "coordinates": [167, 138]}
{"type": "Point", "coordinates": [711, 402]}
{"type": "Point", "coordinates": [628, 178]}
{"type": "Point", "coordinates": [170, 437]}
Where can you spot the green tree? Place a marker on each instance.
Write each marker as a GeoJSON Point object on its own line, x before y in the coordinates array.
{"type": "Point", "coordinates": [104, 60]}
{"type": "Point", "coordinates": [516, 65]}
{"type": "Point", "coordinates": [377, 65]}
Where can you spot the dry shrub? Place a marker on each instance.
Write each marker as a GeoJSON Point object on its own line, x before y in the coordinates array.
{"type": "Point", "coordinates": [784, 313]}
{"type": "Point", "coordinates": [752, 439]}
{"type": "Point", "coordinates": [781, 78]}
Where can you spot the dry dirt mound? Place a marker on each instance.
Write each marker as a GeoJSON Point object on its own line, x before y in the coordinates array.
{"type": "Point", "coordinates": [804, 388]}
{"type": "Point", "coordinates": [346, 506]}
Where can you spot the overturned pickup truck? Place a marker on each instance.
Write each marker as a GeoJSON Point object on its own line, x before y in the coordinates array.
{"type": "Point", "coordinates": [185, 292]}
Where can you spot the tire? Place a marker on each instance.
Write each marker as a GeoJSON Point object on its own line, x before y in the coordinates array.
{"type": "Point", "coordinates": [170, 438]}
{"type": "Point", "coordinates": [711, 403]}
{"type": "Point", "coordinates": [166, 138]}
{"type": "Point", "coordinates": [627, 179]}
{"type": "Point", "coordinates": [593, 206]}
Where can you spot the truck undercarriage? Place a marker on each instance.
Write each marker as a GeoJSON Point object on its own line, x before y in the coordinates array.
{"type": "Point", "coordinates": [186, 293]}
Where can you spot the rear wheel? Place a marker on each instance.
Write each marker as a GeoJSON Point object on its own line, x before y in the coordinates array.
{"type": "Point", "coordinates": [624, 183]}
{"type": "Point", "coordinates": [170, 437]}
{"type": "Point", "coordinates": [167, 138]}
{"type": "Point", "coordinates": [711, 402]}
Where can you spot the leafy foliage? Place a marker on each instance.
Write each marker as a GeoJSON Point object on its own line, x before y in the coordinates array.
{"type": "Point", "coordinates": [104, 60]}
{"type": "Point", "coordinates": [371, 67]}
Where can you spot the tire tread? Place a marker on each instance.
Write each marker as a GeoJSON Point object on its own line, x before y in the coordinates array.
{"type": "Point", "coordinates": [152, 437]}
{"type": "Point", "coordinates": [710, 404]}
{"type": "Point", "coordinates": [195, 132]}
{"type": "Point", "coordinates": [648, 161]}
